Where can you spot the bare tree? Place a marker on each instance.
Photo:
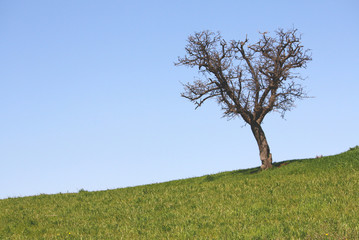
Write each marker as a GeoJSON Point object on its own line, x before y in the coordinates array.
{"type": "Point", "coordinates": [247, 80]}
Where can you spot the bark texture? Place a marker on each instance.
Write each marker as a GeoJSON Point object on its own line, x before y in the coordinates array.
{"type": "Point", "coordinates": [263, 146]}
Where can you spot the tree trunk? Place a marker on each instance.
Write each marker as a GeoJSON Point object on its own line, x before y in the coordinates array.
{"type": "Point", "coordinates": [264, 151]}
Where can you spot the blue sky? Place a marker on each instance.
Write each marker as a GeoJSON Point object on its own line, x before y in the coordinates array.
{"type": "Point", "coordinates": [90, 97]}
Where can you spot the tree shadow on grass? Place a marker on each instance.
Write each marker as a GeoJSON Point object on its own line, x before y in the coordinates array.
{"type": "Point", "coordinates": [247, 171]}
{"type": "Point", "coordinates": [258, 169]}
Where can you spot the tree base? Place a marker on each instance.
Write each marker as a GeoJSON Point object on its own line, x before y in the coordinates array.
{"type": "Point", "coordinates": [267, 163]}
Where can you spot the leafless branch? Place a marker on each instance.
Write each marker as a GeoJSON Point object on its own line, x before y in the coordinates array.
{"type": "Point", "coordinates": [247, 80]}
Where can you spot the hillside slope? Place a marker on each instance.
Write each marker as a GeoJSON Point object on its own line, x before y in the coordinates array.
{"type": "Point", "coordinates": [299, 199]}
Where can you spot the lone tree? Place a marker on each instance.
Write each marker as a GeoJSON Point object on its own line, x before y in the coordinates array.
{"type": "Point", "coordinates": [247, 80]}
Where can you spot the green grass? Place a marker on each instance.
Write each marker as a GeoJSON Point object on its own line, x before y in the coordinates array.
{"type": "Point", "coordinates": [301, 199]}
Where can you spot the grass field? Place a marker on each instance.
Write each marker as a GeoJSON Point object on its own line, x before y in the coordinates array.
{"type": "Point", "coordinates": [298, 199]}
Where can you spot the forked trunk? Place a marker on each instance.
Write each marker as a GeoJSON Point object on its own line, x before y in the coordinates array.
{"type": "Point", "coordinates": [264, 151]}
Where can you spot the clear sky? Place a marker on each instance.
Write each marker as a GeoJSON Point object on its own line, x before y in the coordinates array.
{"type": "Point", "coordinates": [90, 97]}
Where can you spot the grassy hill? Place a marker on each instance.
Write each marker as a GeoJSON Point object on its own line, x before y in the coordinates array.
{"type": "Point", "coordinates": [298, 199]}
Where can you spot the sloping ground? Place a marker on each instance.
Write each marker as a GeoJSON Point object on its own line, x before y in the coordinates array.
{"type": "Point", "coordinates": [299, 199]}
